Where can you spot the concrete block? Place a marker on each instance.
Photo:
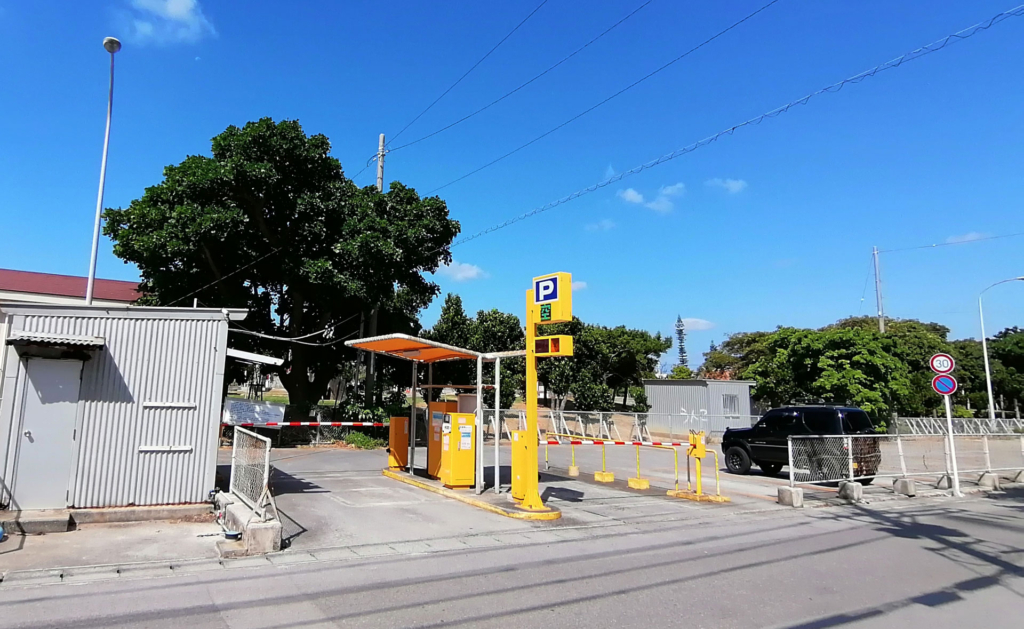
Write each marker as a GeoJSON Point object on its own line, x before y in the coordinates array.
{"type": "Point", "coordinates": [851, 491]}
{"type": "Point", "coordinates": [791, 496]}
{"type": "Point", "coordinates": [639, 483]}
{"type": "Point", "coordinates": [262, 537]}
{"type": "Point", "coordinates": [574, 470]}
{"type": "Point", "coordinates": [989, 480]}
{"type": "Point", "coordinates": [904, 486]}
{"type": "Point", "coordinates": [35, 522]}
{"type": "Point", "coordinates": [945, 482]}
{"type": "Point", "coordinates": [107, 515]}
{"type": "Point", "coordinates": [604, 477]}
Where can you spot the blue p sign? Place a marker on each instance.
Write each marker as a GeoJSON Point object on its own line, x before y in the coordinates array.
{"type": "Point", "coordinates": [545, 290]}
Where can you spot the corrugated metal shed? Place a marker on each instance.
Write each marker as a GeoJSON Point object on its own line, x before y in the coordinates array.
{"type": "Point", "coordinates": [149, 402]}
{"type": "Point", "coordinates": [690, 396]}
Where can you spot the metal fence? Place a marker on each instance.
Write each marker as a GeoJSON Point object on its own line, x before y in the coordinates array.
{"type": "Point", "coordinates": [824, 459]}
{"type": "Point", "coordinates": [250, 470]}
{"type": "Point", "coordinates": [961, 426]}
{"type": "Point", "coordinates": [615, 425]}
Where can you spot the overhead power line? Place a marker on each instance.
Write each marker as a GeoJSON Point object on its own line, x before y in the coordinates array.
{"type": "Point", "coordinates": [965, 241]}
{"type": "Point", "coordinates": [224, 277]}
{"type": "Point", "coordinates": [498, 100]}
{"type": "Point", "coordinates": [835, 87]}
{"type": "Point", "coordinates": [616, 94]}
{"type": "Point", "coordinates": [444, 93]}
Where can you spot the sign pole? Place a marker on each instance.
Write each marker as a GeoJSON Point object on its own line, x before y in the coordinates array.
{"type": "Point", "coordinates": [531, 500]}
{"type": "Point", "coordinates": [952, 448]}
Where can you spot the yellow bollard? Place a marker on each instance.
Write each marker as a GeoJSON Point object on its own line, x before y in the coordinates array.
{"type": "Point", "coordinates": [698, 450]}
{"type": "Point", "coordinates": [638, 483]}
{"type": "Point", "coordinates": [574, 470]}
{"type": "Point", "coordinates": [604, 476]}
{"type": "Point", "coordinates": [700, 491]}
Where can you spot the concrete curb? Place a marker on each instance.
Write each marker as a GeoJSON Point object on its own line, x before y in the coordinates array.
{"type": "Point", "coordinates": [509, 512]}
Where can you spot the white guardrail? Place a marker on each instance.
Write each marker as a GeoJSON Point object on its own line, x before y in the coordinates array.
{"type": "Point", "coordinates": [617, 425]}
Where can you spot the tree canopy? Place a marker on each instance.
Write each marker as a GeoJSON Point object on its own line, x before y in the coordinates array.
{"type": "Point", "coordinates": [269, 222]}
{"type": "Point", "coordinates": [850, 362]}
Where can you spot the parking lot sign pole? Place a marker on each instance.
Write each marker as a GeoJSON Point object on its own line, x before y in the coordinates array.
{"type": "Point", "coordinates": [548, 301]}
{"type": "Point", "coordinates": [952, 448]}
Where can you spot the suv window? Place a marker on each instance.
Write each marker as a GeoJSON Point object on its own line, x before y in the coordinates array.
{"type": "Point", "coordinates": [780, 422]}
{"type": "Point", "coordinates": [822, 421]}
{"type": "Point", "coordinates": [857, 421]}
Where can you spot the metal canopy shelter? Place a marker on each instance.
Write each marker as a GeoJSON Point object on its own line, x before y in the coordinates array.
{"type": "Point", "coordinates": [418, 350]}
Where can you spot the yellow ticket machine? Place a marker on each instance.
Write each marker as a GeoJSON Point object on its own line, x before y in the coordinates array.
{"type": "Point", "coordinates": [436, 420]}
{"type": "Point", "coordinates": [458, 450]}
{"type": "Point", "coordinates": [398, 443]}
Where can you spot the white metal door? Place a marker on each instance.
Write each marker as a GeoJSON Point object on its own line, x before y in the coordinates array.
{"type": "Point", "coordinates": [46, 442]}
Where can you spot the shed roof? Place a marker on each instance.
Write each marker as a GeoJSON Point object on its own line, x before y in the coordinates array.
{"type": "Point", "coordinates": [413, 348]}
{"type": "Point", "coordinates": [67, 285]}
{"type": "Point", "coordinates": [20, 337]}
{"type": "Point", "coordinates": [125, 311]}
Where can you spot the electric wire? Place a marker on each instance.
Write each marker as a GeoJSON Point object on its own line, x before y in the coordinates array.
{"type": "Point", "coordinates": [281, 338]}
{"type": "Point", "coordinates": [224, 277]}
{"type": "Point", "coordinates": [835, 87]}
{"type": "Point", "coordinates": [864, 291]}
{"type": "Point", "coordinates": [616, 94]}
{"type": "Point", "coordinates": [965, 241]}
{"type": "Point", "coordinates": [498, 100]}
{"type": "Point", "coordinates": [444, 93]}
{"type": "Point", "coordinates": [297, 338]}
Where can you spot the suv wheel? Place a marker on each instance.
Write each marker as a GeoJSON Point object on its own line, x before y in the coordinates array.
{"type": "Point", "coordinates": [737, 460]}
{"type": "Point", "coordinates": [770, 469]}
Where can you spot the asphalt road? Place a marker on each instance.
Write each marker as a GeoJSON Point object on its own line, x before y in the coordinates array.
{"type": "Point", "coordinates": [925, 563]}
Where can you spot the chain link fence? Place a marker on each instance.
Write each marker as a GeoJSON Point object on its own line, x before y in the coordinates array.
{"type": "Point", "coordinates": [961, 426]}
{"type": "Point", "coordinates": [829, 459]}
{"type": "Point", "coordinates": [250, 470]}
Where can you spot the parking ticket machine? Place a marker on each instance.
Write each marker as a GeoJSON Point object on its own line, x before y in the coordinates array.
{"type": "Point", "coordinates": [458, 450]}
{"type": "Point", "coordinates": [437, 411]}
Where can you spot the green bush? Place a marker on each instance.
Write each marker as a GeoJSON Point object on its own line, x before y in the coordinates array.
{"type": "Point", "coordinates": [364, 441]}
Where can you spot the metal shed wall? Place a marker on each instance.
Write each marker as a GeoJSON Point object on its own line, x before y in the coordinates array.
{"type": "Point", "coordinates": [718, 388]}
{"type": "Point", "coordinates": [157, 383]}
{"type": "Point", "coordinates": [672, 396]}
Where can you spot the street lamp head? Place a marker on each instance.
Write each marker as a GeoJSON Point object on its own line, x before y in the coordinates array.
{"type": "Point", "coordinates": [111, 44]}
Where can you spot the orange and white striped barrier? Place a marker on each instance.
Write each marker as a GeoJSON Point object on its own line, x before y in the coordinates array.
{"type": "Point", "coordinates": [279, 424]}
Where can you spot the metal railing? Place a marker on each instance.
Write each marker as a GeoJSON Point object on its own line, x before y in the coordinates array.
{"type": "Point", "coordinates": [961, 426]}
{"type": "Point", "coordinates": [616, 425]}
{"type": "Point", "coordinates": [250, 470]}
{"type": "Point", "coordinates": [832, 458]}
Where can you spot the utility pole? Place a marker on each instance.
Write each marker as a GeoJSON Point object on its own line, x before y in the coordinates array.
{"type": "Point", "coordinates": [878, 292]}
{"type": "Point", "coordinates": [371, 373]}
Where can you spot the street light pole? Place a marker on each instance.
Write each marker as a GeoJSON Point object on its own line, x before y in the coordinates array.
{"type": "Point", "coordinates": [984, 347]}
{"type": "Point", "coordinates": [111, 45]}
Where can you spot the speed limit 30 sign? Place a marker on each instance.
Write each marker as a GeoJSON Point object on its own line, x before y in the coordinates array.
{"type": "Point", "coordinates": [942, 363]}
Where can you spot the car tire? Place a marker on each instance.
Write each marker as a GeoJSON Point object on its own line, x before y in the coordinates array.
{"type": "Point", "coordinates": [770, 469]}
{"type": "Point", "coordinates": [737, 460]}
{"type": "Point", "coordinates": [866, 481]}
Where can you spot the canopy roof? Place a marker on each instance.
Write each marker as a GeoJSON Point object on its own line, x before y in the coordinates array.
{"type": "Point", "coordinates": [422, 350]}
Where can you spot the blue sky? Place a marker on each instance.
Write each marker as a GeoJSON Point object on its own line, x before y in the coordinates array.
{"type": "Point", "coordinates": [771, 226]}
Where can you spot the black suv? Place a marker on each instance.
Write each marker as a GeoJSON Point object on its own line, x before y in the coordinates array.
{"type": "Point", "coordinates": [765, 443]}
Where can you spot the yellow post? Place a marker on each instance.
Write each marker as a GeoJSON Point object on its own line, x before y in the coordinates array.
{"type": "Point", "coordinates": [676, 452]}
{"type": "Point", "coordinates": [638, 483]}
{"type": "Point", "coordinates": [718, 483]}
{"type": "Point", "coordinates": [604, 476]}
{"type": "Point", "coordinates": [548, 301]}
{"type": "Point", "coordinates": [699, 489]}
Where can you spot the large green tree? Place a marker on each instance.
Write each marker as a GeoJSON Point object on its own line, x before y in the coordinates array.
{"type": "Point", "coordinates": [269, 222]}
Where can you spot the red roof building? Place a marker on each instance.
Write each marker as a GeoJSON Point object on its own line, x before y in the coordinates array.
{"type": "Point", "coordinates": [49, 288]}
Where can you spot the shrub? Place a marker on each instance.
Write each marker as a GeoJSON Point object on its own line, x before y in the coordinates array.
{"type": "Point", "coordinates": [364, 441]}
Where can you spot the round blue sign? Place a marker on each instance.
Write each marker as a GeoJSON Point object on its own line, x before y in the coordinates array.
{"type": "Point", "coordinates": [944, 384]}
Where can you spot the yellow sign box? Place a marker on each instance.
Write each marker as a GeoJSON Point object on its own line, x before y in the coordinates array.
{"type": "Point", "coordinates": [558, 345]}
{"type": "Point", "coordinates": [553, 296]}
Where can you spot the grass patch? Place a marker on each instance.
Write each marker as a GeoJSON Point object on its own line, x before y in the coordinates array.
{"type": "Point", "coordinates": [364, 441]}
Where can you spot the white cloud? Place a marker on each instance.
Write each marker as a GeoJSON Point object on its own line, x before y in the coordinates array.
{"type": "Point", "coordinates": [697, 324]}
{"type": "Point", "coordinates": [602, 225]}
{"type": "Point", "coordinates": [578, 286]}
{"type": "Point", "coordinates": [732, 186]}
{"type": "Point", "coordinates": [629, 195]}
{"type": "Point", "coordinates": [663, 203]}
{"type": "Point", "coordinates": [968, 237]}
{"type": "Point", "coordinates": [462, 272]}
{"type": "Point", "coordinates": [168, 21]}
